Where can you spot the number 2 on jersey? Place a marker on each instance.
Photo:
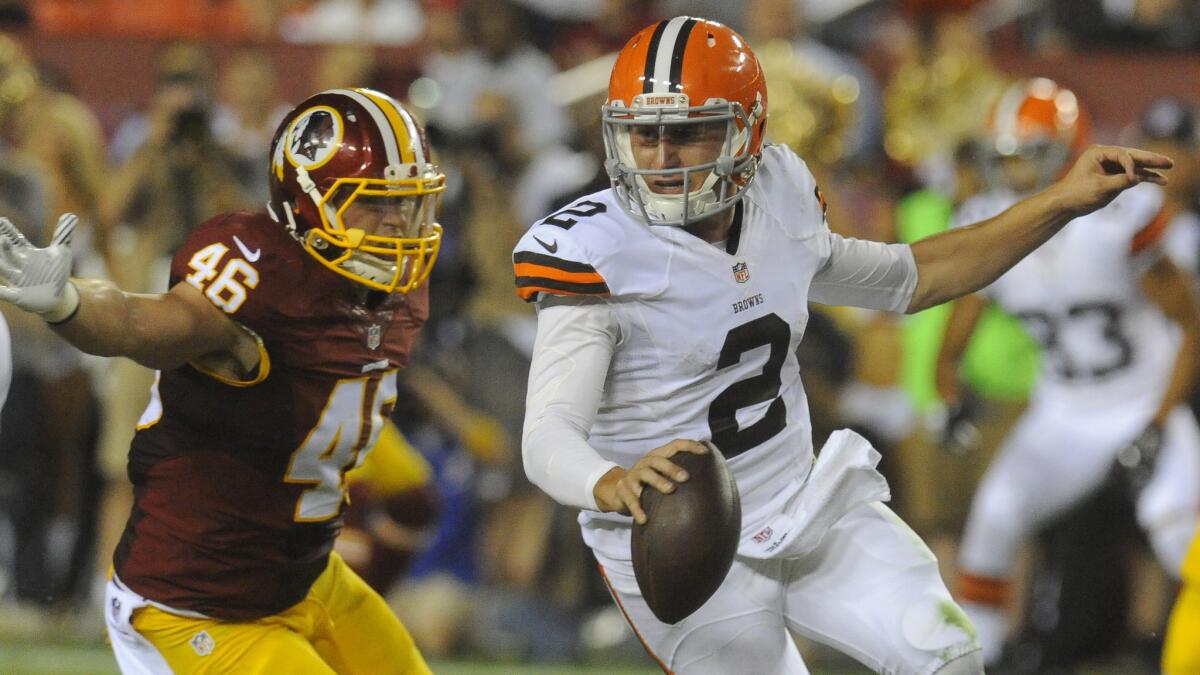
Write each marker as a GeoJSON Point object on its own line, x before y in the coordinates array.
{"type": "Point", "coordinates": [722, 413]}
{"type": "Point", "coordinates": [583, 209]}
{"type": "Point", "coordinates": [332, 446]}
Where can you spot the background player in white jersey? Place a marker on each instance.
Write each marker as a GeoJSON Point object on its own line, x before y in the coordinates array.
{"type": "Point", "coordinates": [670, 308]}
{"type": "Point", "coordinates": [1120, 333]}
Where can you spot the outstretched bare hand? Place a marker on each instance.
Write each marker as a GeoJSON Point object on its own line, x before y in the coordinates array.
{"type": "Point", "coordinates": [1104, 171]}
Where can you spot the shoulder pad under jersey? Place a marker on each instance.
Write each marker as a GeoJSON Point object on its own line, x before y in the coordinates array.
{"type": "Point", "coordinates": [592, 247]}
{"type": "Point", "coordinates": [785, 188]}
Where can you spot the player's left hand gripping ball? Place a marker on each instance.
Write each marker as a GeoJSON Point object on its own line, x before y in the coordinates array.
{"type": "Point", "coordinates": [35, 279]}
{"type": "Point", "coordinates": [684, 551]}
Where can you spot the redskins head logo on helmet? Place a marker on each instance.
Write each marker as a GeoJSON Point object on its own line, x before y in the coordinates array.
{"type": "Point", "coordinates": [676, 80]}
{"type": "Point", "coordinates": [353, 181]}
{"type": "Point", "coordinates": [1034, 131]}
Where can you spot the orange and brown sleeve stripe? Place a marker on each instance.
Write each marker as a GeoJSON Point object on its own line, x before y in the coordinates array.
{"type": "Point", "coordinates": [992, 591]}
{"type": "Point", "coordinates": [1153, 232]}
{"type": "Point", "coordinates": [540, 273]}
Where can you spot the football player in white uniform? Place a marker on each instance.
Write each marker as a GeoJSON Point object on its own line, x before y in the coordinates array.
{"type": "Point", "coordinates": [1119, 331]}
{"type": "Point", "coordinates": [669, 311]}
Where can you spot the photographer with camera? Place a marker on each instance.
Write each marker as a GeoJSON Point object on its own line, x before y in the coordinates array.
{"type": "Point", "coordinates": [175, 172]}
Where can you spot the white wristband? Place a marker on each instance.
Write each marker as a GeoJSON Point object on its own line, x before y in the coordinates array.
{"type": "Point", "coordinates": [66, 306]}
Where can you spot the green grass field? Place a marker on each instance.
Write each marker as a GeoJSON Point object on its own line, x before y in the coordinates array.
{"type": "Point", "coordinates": [36, 658]}
{"type": "Point", "coordinates": [78, 658]}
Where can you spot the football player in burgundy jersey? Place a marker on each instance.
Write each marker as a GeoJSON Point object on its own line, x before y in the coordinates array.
{"type": "Point", "coordinates": [277, 348]}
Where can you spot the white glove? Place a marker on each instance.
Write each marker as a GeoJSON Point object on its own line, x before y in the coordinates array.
{"type": "Point", "coordinates": [35, 279]}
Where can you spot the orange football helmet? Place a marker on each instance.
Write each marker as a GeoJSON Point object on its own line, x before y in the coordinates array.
{"type": "Point", "coordinates": [353, 180]}
{"type": "Point", "coordinates": [1041, 121]}
{"type": "Point", "coordinates": [685, 71]}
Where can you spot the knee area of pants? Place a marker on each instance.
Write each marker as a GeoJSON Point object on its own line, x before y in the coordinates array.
{"type": "Point", "coordinates": [761, 648]}
{"type": "Point", "coordinates": [936, 625]}
{"type": "Point", "coordinates": [970, 663]}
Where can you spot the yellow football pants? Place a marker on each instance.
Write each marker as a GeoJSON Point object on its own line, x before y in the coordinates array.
{"type": "Point", "coordinates": [342, 626]}
{"type": "Point", "coordinates": [1181, 653]}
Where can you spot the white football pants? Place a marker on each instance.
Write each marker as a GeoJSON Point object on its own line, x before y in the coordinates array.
{"type": "Point", "coordinates": [1053, 459]}
{"type": "Point", "coordinates": [871, 590]}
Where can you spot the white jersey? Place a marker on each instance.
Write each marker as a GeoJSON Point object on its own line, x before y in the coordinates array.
{"type": "Point", "coordinates": [1104, 343]}
{"type": "Point", "coordinates": [706, 335]}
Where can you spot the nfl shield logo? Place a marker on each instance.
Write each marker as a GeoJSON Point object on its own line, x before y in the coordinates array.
{"type": "Point", "coordinates": [741, 273]}
{"type": "Point", "coordinates": [203, 643]}
{"type": "Point", "coordinates": [374, 336]}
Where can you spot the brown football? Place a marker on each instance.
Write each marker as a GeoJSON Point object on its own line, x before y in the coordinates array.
{"type": "Point", "coordinates": [685, 549]}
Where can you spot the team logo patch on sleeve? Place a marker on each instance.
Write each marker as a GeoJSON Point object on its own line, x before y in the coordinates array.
{"type": "Point", "coordinates": [540, 273]}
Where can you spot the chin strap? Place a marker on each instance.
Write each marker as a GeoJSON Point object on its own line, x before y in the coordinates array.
{"type": "Point", "coordinates": [725, 166]}
{"type": "Point", "coordinates": [305, 181]}
{"type": "Point", "coordinates": [614, 168]}
{"type": "Point", "coordinates": [292, 228]}
{"type": "Point", "coordinates": [366, 267]}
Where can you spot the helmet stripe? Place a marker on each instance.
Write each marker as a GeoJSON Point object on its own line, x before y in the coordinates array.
{"type": "Point", "coordinates": [415, 140]}
{"type": "Point", "coordinates": [385, 128]}
{"type": "Point", "coordinates": [405, 134]}
{"type": "Point", "coordinates": [396, 121]}
{"type": "Point", "coordinates": [651, 52]}
{"type": "Point", "coordinates": [1008, 108]}
{"type": "Point", "coordinates": [676, 76]}
{"type": "Point", "coordinates": [664, 53]}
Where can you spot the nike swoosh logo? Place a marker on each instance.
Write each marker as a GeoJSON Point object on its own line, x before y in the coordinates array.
{"type": "Point", "coordinates": [553, 248]}
{"type": "Point", "coordinates": [250, 257]}
{"type": "Point", "coordinates": [381, 364]}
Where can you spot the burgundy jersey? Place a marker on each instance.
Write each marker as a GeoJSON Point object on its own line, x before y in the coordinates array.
{"type": "Point", "coordinates": [239, 484]}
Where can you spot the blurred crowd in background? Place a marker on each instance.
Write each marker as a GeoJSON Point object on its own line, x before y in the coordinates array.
{"type": "Point", "coordinates": [146, 118]}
